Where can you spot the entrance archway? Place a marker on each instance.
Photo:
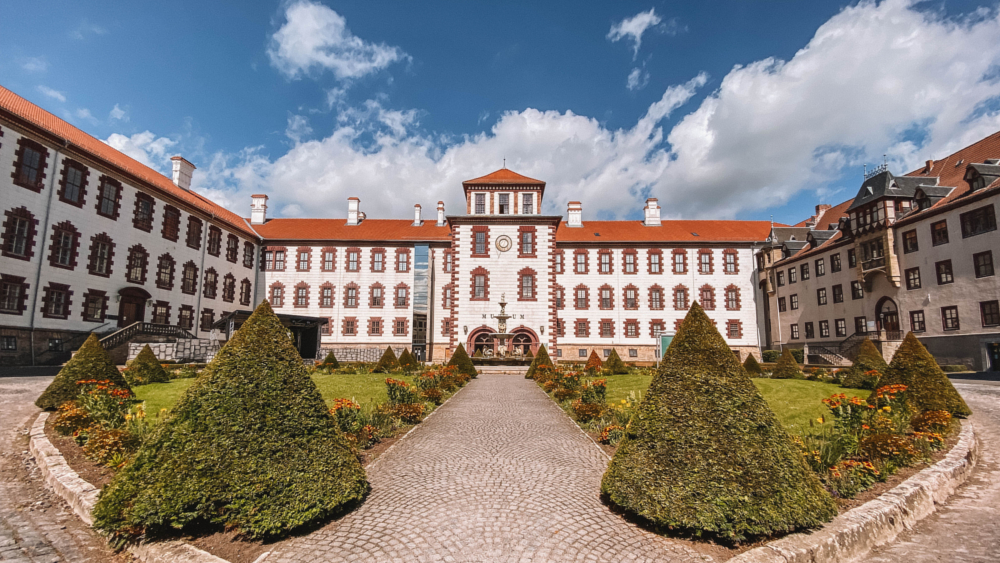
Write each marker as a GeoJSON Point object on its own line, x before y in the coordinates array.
{"type": "Point", "coordinates": [524, 339]}
{"type": "Point", "coordinates": [481, 341]}
{"type": "Point", "coordinates": [887, 314]}
{"type": "Point", "coordinates": [131, 305]}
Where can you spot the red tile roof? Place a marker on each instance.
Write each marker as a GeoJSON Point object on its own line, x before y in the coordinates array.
{"type": "Point", "coordinates": [669, 231]}
{"type": "Point", "coordinates": [504, 176]}
{"type": "Point", "coordinates": [38, 117]}
{"type": "Point", "coordinates": [375, 230]}
{"type": "Point", "coordinates": [832, 215]}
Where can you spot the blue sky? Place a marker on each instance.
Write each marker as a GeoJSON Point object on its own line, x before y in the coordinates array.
{"type": "Point", "coordinates": [719, 109]}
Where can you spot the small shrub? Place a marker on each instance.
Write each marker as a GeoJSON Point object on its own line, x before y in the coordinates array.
{"type": "Point", "coordinates": [595, 392]}
{"type": "Point", "coordinates": [585, 412]}
{"type": "Point", "coordinates": [550, 385]}
{"type": "Point", "coordinates": [612, 434]}
{"type": "Point", "coordinates": [799, 355]}
{"type": "Point", "coordinates": [387, 363]}
{"type": "Point", "coordinates": [929, 389]}
{"type": "Point", "coordinates": [400, 392]}
{"type": "Point", "coordinates": [614, 365]}
{"type": "Point", "coordinates": [891, 449]}
{"type": "Point", "coordinates": [145, 369]}
{"type": "Point", "coordinates": [411, 413]}
{"type": "Point", "coordinates": [331, 361]}
{"type": "Point", "coordinates": [594, 363]}
{"type": "Point", "coordinates": [868, 360]}
{"type": "Point", "coordinates": [955, 368]}
{"type": "Point", "coordinates": [90, 362]}
{"type": "Point", "coordinates": [478, 354]}
{"type": "Point", "coordinates": [770, 356]}
{"type": "Point", "coordinates": [563, 394]}
{"type": "Point", "coordinates": [71, 418]}
{"type": "Point", "coordinates": [540, 359]}
{"type": "Point", "coordinates": [187, 371]}
{"type": "Point", "coordinates": [931, 421]}
{"type": "Point", "coordinates": [433, 395]}
{"type": "Point", "coordinates": [347, 414]}
{"type": "Point", "coordinates": [407, 362]}
{"type": "Point", "coordinates": [850, 477]}
{"type": "Point", "coordinates": [752, 367]}
{"type": "Point", "coordinates": [545, 373]}
{"type": "Point", "coordinates": [461, 361]}
{"type": "Point", "coordinates": [106, 445]}
{"type": "Point", "coordinates": [106, 403]}
{"type": "Point", "coordinates": [787, 367]}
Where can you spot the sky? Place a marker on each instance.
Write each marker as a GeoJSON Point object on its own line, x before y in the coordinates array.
{"type": "Point", "coordinates": [720, 109]}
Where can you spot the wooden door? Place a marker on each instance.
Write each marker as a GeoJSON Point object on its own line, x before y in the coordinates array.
{"type": "Point", "coordinates": [131, 311]}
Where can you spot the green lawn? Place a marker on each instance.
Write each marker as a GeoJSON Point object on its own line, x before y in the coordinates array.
{"type": "Point", "coordinates": [795, 401]}
{"type": "Point", "coordinates": [361, 388]}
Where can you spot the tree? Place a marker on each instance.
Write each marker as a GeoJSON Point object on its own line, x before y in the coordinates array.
{"type": "Point", "coordinates": [868, 359]}
{"type": "Point", "coordinates": [145, 368]}
{"type": "Point", "coordinates": [540, 359]}
{"type": "Point", "coordinates": [250, 446]}
{"type": "Point", "coordinates": [594, 363]}
{"type": "Point", "coordinates": [407, 361]}
{"type": "Point", "coordinates": [614, 364]}
{"type": "Point", "coordinates": [752, 367]}
{"type": "Point", "coordinates": [787, 367]}
{"type": "Point", "coordinates": [463, 362]}
{"type": "Point", "coordinates": [331, 361]}
{"type": "Point", "coordinates": [704, 454]}
{"type": "Point", "coordinates": [91, 361]}
{"type": "Point", "coordinates": [387, 363]}
{"type": "Point", "coordinates": [927, 386]}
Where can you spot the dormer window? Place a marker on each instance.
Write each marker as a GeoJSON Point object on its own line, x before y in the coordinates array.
{"type": "Point", "coordinates": [480, 204]}
{"type": "Point", "coordinates": [527, 205]}
{"type": "Point", "coordinates": [504, 205]}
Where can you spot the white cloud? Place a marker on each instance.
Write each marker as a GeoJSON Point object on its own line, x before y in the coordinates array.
{"type": "Point", "coordinates": [633, 28]}
{"type": "Point", "coordinates": [35, 64]}
{"type": "Point", "coordinates": [145, 147]}
{"type": "Point", "coordinates": [118, 114]}
{"type": "Point", "coordinates": [316, 38]}
{"type": "Point", "coordinates": [637, 79]}
{"type": "Point", "coordinates": [84, 113]}
{"type": "Point", "coordinates": [86, 28]}
{"type": "Point", "coordinates": [54, 94]}
{"type": "Point", "coordinates": [298, 127]}
{"type": "Point", "coordinates": [874, 79]}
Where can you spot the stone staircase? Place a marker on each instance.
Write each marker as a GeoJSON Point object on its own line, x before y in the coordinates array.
{"type": "Point", "coordinates": [117, 342]}
{"type": "Point", "coordinates": [503, 370]}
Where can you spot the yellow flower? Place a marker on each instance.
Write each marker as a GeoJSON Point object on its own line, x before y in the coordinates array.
{"type": "Point", "coordinates": [624, 402]}
{"type": "Point", "coordinates": [887, 408]}
{"type": "Point", "coordinates": [820, 420]}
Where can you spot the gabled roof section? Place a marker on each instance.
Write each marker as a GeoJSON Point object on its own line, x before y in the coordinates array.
{"type": "Point", "coordinates": [505, 177]}
{"type": "Point", "coordinates": [831, 216]}
{"type": "Point", "coordinates": [668, 231]}
{"type": "Point", "coordinates": [21, 109]}
{"type": "Point", "coordinates": [370, 230]}
{"type": "Point", "coordinates": [951, 171]}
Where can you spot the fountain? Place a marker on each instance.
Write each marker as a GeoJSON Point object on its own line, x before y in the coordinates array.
{"type": "Point", "coordinates": [502, 337]}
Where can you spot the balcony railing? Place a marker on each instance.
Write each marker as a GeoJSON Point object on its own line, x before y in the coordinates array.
{"type": "Point", "coordinates": [873, 264]}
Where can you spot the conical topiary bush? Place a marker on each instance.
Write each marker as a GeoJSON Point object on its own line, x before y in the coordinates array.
{"type": "Point", "coordinates": [528, 354]}
{"type": "Point", "coordinates": [868, 358]}
{"type": "Point", "coordinates": [787, 367]}
{"type": "Point", "coordinates": [594, 363]}
{"type": "Point", "coordinates": [463, 362]}
{"type": "Point", "coordinates": [927, 386]}
{"type": "Point", "coordinates": [614, 364]}
{"type": "Point", "coordinates": [89, 362]}
{"type": "Point", "coordinates": [407, 361]}
{"type": "Point", "coordinates": [387, 363]}
{"type": "Point", "coordinates": [145, 368]}
{"type": "Point", "coordinates": [705, 455]}
{"type": "Point", "coordinates": [752, 367]}
{"type": "Point", "coordinates": [331, 361]}
{"type": "Point", "coordinates": [540, 359]}
{"type": "Point", "coordinates": [250, 446]}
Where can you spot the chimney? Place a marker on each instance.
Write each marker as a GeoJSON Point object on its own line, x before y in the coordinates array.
{"type": "Point", "coordinates": [183, 170]}
{"type": "Point", "coordinates": [354, 215]}
{"type": "Point", "coordinates": [441, 220]}
{"type": "Point", "coordinates": [575, 212]}
{"type": "Point", "coordinates": [652, 211]}
{"type": "Point", "coordinates": [258, 209]}
{"type": "Point", "coordinates": [821, 209]}
{"type": "Point", "coordinates": [930, 166]}
{"type": "Point", "coordinates": [417, 221]}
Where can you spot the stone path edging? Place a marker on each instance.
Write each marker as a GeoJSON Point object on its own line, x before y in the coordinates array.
{"type": "Point", "coordinates": [82, 496]}
{"type": "Point", "coordinates": [879, 521]}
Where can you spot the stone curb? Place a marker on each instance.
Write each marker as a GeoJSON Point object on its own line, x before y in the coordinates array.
{"type": "Point", "coordinates": [82, 496]}
{"type": "Point", "coordinates": [879, 521]}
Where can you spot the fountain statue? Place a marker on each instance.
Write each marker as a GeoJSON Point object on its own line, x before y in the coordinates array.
{"type": "Point", "coordinates": [502, 336]}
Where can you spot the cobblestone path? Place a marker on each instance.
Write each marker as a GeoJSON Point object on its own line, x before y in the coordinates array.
{"type": "Point", "coordinates": [499, 473]}
{"type": "Point", "coordinates": [967, 528]}
{"type": "Point", "coordinates": [36, 525]}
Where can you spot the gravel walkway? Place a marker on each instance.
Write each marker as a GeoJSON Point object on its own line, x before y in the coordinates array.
{"type": "Point", "coordinates": [36, 525]}
{"type": "Point", "coordinates": [967, 528]}
{"type": "Point", "coordinates": [499, 473]}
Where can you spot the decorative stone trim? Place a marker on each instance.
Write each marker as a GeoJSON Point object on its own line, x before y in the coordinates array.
{"type": "Point", "coordinates": [602, 255]}
{"type": "Point", "coordinates": [611, 297]}
{"type": "Point", "coordinates": [357, 295]}
{"type": "Point", "coordinates": [630, 252]}
{"type": "Point", "coordinates": [276, 298]}
{"type": "Point", "coordinates": [170, 228]}
{"type": "Point", "coordinates": [576, 328]}
{"type": "Point", "coordinates": [189, 278]}
{"type": "Point", "coordinates": [711, 261]}
{"type": "Point", "coordinates": [84, 174]}
{"type": "Point", "coordinates": [480, 271]}
{"type": "Point", "coordinates": [19, 178]}
{"type": "Point", "coordinates": [8, 233]}
{"type": "Point", "coordinates": [739, 304]}
{"type": "Point", "coordinates": [877, 522]}
{"type": "Point", "coordinates": [586, 261]}
{"type": "Point", "coordinates": [57, 230]}
{"type": "Point", "coordinates": [402, 257]}
{"type": "Point", "coordinates": [248, 255]}
{"type": "Point", "coordinates": [333, 259]}
{"type": "Point", "coordinates": [371, 256]}
{"type": "Point", "coordinates": [137, 220]}
{"type": "Point", "coordinates": [117, 207]}
{"type": "Point", "coordinates": [631, 323]}
{"type": "Point", "coordinates": [214, 241]}
{"type": "Point", "coordinates": [295, 298]}
{"type": "Point", "coordinates": [739, 325]}
{"type": "Point", "coordinates": [395, 292]}
{"type": "Point", "coordinates": [371, 326]}
{"type": "Point", "coordinates": [47, 294]}
{"type": "Point", "coordinates": [635, 297]}
{"type": "Point", "coordinates": [229, 288]}
{"type": "Point", "coordinates": [586, 297]}
{"type": "Point", "coordinates": [684, 262]}
{"type": "Point", "coordinates": [520, 239]}
{"type": "Point", "coordinates": [23, 301]}
{"type": "Point", "coordinates": [706, 297]}
{"type": "Point", "coordinates": [232, 248]}
{"type": "Point", "coordinates": [406, 326]}
{"type": "Point", "coordinates": [472, 242]}
{"type": "Point", "coordinates": [600, 328]}
{"type": "Point", "coordinates": [736, 261]}
{"type": "Point", "coordinates": [520, 284]}
{"type": "Point", "coordinates": [558, 291]}
{"type": "Point", "coordinates": [193, 239]}
{"type": "Point", "coordinates": [349, 322]}
{"type": "Point", "coordinates": [103, 295]}
{"type": "Point", "coordinates": [371, 295]}
{"type": "Point", "coordinates": [308, 252]}
{"type": "Point", "coordinates": [653, 288]}
{"type": "Point", "coordinates": [246, 287]}
{"type": "Point", "coordinates": [655, 325]}
{"type": "Point", "coordinates": [687, 297]}
{"type": "Point", "coordinates": [347, 259]}
{"type": "Point", "coordinates": [649, 261]}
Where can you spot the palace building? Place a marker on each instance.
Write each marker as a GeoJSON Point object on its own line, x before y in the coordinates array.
{"type": "Point", "coordinates": [907, 253]}
{"type": "Point", "coordinates": [95, 241]}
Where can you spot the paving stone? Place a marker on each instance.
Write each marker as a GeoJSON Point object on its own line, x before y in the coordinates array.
{"type": "Point", "coordinates": [499, 473]}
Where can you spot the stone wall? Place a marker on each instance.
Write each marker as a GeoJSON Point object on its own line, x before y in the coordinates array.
{"type": "Point", "coordinates": [196, 350]}
{"type": "Point", "coordinates": [356, 354]}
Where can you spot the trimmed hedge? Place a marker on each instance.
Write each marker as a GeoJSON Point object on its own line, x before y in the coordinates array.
{"type": "Point", "coordinates": [752, 367]}
{"type": "Point", "coordinates": [145, 368]}
{"type": "Point", "coordinates": [705, 455]}
{"type": "Point", "coordinates": [614, 364]}
{"type": "Point", "coordinates": [787, 367]}
{"type": "Point", "coordinates": [594, 363]}
{"type": "Point", "coordinates": [770, 356]}
{"type": "Point", "coordinates": [927, 387]}
{"type": "Point", "coordinates": [541, 359]}
{"type": "Point", "coordinates": [407, 361]}
{"type": "Point", "coordinates": [331, 361]}
{"type": "Point", "coordinates": [250, 446]}
{"type": "Point", "coordinates": [387, 363]}
{"type": "Point", "coordinates": [461, 360]}
{"type": "Point", "coordinates": [91, 361]}
{"type": "Point", "coordinates": [868, 358]}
